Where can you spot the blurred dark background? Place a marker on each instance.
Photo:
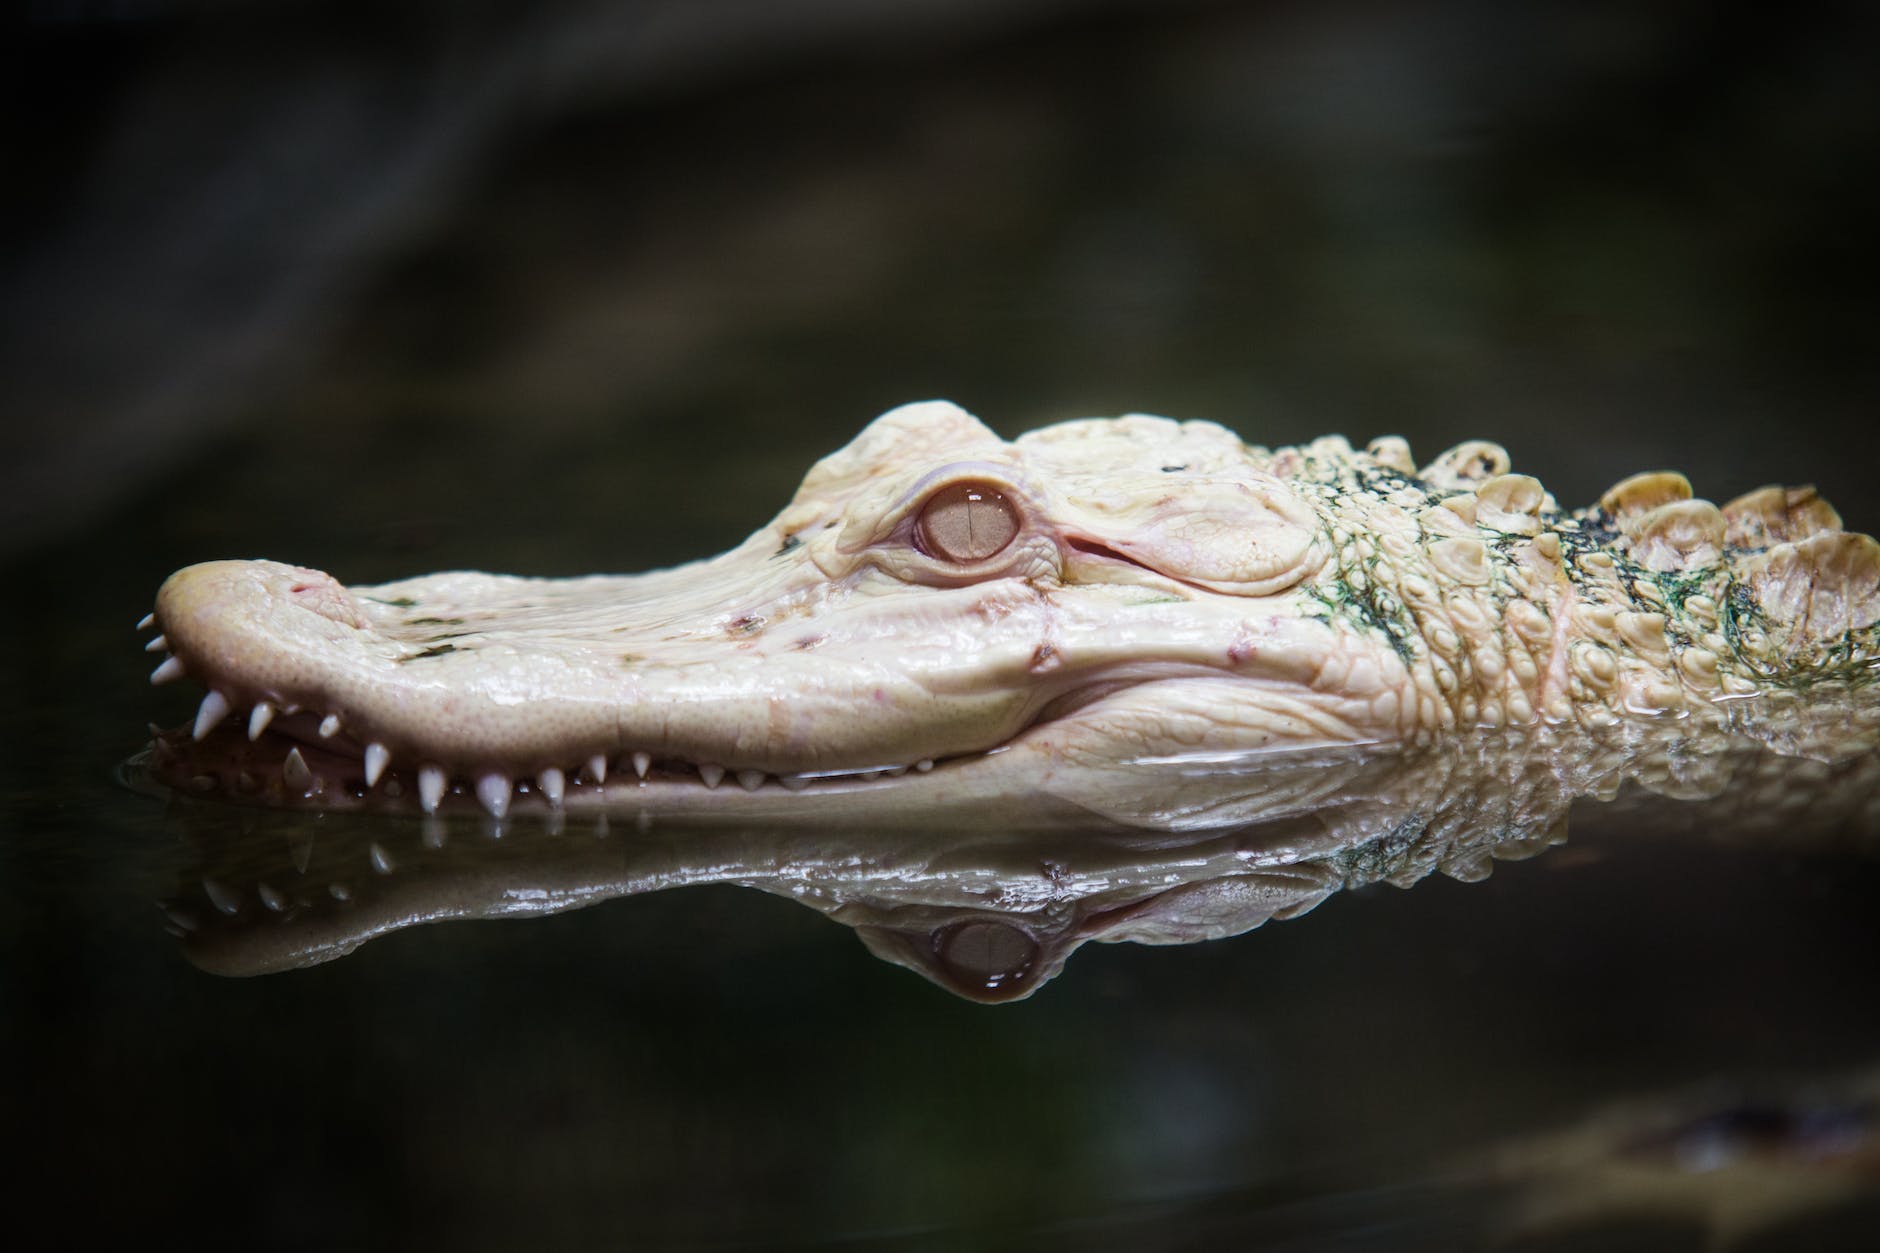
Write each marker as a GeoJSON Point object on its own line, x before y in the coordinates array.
{"type": "Point", "coordinates": [550, 246]}
{"type": "Point", "coordinates": [575, 286]}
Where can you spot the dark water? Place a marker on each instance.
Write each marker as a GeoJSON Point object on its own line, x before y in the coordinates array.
{"type": "Point", "coordinates": [426, 296]}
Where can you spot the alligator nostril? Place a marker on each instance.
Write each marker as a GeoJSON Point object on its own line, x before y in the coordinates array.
{"type": "Point", "coordinates": [325, 595]}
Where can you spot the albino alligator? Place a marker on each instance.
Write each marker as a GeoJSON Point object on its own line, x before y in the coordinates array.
{"type": "Point", "coordinates": [1077, 622]}
{"type": "Point", "coordinates": [986, 701]}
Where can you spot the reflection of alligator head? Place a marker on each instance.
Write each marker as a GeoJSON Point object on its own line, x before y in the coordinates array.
{"type": "Point", "coordinates": [986, 910]}
{"type": "Point", "coordinates": [1055, 627]}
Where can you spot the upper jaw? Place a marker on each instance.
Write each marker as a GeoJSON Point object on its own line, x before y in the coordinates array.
{"type": "Point", "coordinates": [475, 673]}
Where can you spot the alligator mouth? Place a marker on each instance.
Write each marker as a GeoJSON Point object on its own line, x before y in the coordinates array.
{"type": "Point", "coordinates": [289, 763]}
{"type": "Point", "coordinates": [287, 755]}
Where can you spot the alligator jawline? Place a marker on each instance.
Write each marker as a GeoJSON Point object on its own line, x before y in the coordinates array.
{"type": "Point", "coordinates": [290, 763]}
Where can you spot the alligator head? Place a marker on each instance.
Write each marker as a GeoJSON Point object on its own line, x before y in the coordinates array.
{"type": "Point", "coordinates": [1062, 625]}
{"type": "Point", "coordinates": [939, 617]}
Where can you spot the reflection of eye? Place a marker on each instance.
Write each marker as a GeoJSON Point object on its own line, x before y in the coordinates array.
{"type": "Point", "coordinates": [966, 522]}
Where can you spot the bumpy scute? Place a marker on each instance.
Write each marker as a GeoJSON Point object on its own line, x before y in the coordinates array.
{"type": "Point", "coordinates": [1820, 589]}
{"type": "Point", "coordinates": [1777, 515]}
{"type": "Point", "coordinates": [1393, 452]}
{"type": "Point", "coordinates": [1681, 535]}
{"type": "Point", "coordinates": [1513, 493]}
{"type": "Point", "coordinates": [1642, 493]}
{"type": "Point", "coordinates": [1467, 464]}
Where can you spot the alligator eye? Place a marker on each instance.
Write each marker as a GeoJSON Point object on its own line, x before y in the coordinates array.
{"type": "Point", "coordinates": [966, 522]}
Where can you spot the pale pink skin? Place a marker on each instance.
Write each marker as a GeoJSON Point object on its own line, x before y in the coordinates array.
{"type": "Point", "coordinates": [1172, 595]}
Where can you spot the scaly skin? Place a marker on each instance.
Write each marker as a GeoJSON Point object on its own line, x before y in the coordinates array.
{"type": "Point", "coordinates": [1173, 604]}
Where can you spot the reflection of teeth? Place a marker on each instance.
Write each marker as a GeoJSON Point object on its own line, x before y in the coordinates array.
{"type": "Point", "coordinates": [221, 895]}
{"type": "Point", "coordinates": [214, 708]}
{"type": "Point", "coordinates": [296, 772]}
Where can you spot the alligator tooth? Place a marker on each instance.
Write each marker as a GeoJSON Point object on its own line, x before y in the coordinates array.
{"type": "Point", "coordinates": [329, 726]}
{"type": "Point", "coordinates": [258, 720]}
{"type": "Point", "coordinates": [711, 775]}
{"type": "Point", "coordinates": [271, 897]}
{"type": "Point", "coordinates": [642, 762]}
{"type": "Point", "coordinates": [381, 860]}
{"type": "Point", "coordinates": [214, 708]}
{"type": "Point", "coordinates": [157, 645]}
{"type": "Point", "coordinates": [221, 895]}
{"type": "Point", "coordinates": [493, 790]}
{"type": "Point", "coordinates": [295, 771]}
{"type": "Point", "coordinates": [551, 781]}
{"type": "Point", "coordinates": [146, 622]}
{"type": "Point", "coordinates": [895, 772]}
{"type": "Point", "coordinates": [172, 668]}
{"type": "Point", "coordinates": [751, 779]}
{"type": "Point", "coordinates": [597, 767]}
{"type": "Point", "coordinates": [430, 787]}
{"type": "Point", "coordinates": [795, 782]}
{"type": "Point", "coordinates": [339, 891]}
{"type": "Point", "coordinates": [924, 765]}
{"type": "Point", "coordinates": [184, 918]}
{"type": "Point", "coordinates": [377, 758]}
{"type": "Point", "coordinates": [300, 850]}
